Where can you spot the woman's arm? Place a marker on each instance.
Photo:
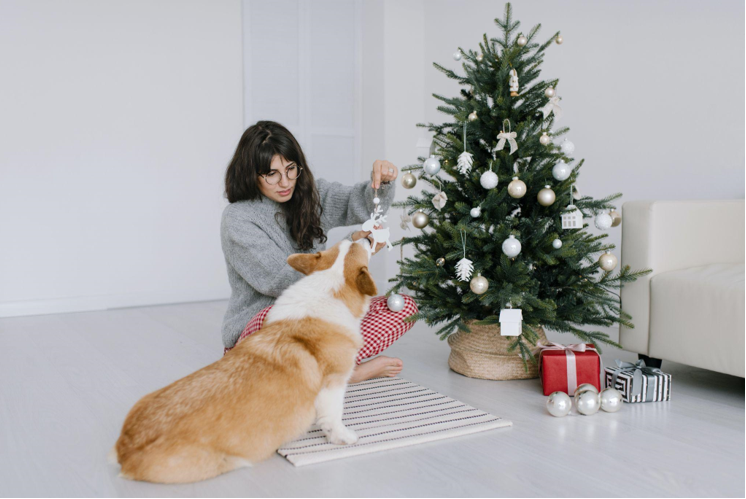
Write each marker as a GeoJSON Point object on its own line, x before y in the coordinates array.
{"type": "Point", "coordinates": [350, 205]}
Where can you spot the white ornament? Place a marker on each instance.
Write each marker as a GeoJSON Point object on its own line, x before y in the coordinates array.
{"type": "Point", "coordinates": [511, 322]}
{"type": "Point", "coordinates": [375, 227]}
{"type": "Point", "coordinates": [475, 212]}
{"type": "Point", "coordinates": [405, 219]}
{"type": "Point", "coordinates": [559, 40]}
{"type": "Point", "coordinates": [559, 404]}
{"type": "Point", "coordinates": [567, 147]}
{"type": "Point", "coordinates": [510, 137]}
{"type": "Point", "coordinates": [439, 200]}
{"type": "Point", "coordinates": [522, 41]}
{"type": "Point", "coordinates": [488, 179]}
{"type": "Point", "coordinates": [395, 302]}
{"type": "Point", "coordinates": [586, 386]}
{"type": "Point", "coordinates": [546, 196]}
{"type": "Point", "coordinates": [480, 57]}
{"type": "Point", "coordinates": [511, 246]}
{"type": "Point", "coordinates": [572, 218]}
{"type": "Point", "coordinates": [557, 244]}
{"type": "Point", "coordinates": [420, 219]}
{"type": "Point", "coordinates": [552, 107]}
{"type": "Point", "coordinates": [587, 402]}
{"type": "Point", "coordinates": [431, 165]}
{"type": "Point", "coordinates": [473, 116]}
{"type": "Point", "coordinates": [376, 200]}
{"type": "Point", "coordinates": [561, 171]}
{"type": "Point", "coordinates": [479, 285]}
{"type": "Point", "coordinates": [513, 82]}
{"type": "Point", "coordinates": [607, 261]}
{"type": "Point", "coordinates": [549, 92]}
{"type": "Point", "coordinates": [465, 161]}
{"type": "Point", "coordinates": [603, 221]}
{"type": "Point", "coordinates": [545, 139]}
{"type": "Point", "coordinates": [457, 55]}
{"type": "Point", "coordinates": [464, 268]}
{"type": "Point", "coordinates": [611, 400]}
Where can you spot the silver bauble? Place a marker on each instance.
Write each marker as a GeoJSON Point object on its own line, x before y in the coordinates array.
{"type": "Point", "coordinates": [586, 386]}
{"type": "Point", "coordinates": [517, 188]}
{"type": "Point", "coordinates": [557, 244]}
{"type": "Point", "coordinates": [473, 116]}
{"type": "Point", "coordinates": [440, 261]}
{"type": "Point", "coordinates": [522, 41]}
{"type": "Point", "coordinates": [431, 165]}
{"type": "Point", "coordinates": [408, 180]}
{"type": "Point", "coordinates": [607, 261]}
{"type": "Point", "coordinates": [549, 92]}
{"type": "Point", "coordinates": [475, 212]}
{"type": "Point", "coordinates": [559, 404]}
{"type": "Point", "coordinates": [420, 219]}
{"type": "Point", "coordinates": [480, 57]}
{"type": "Point", "coordinates": [559, 40]}
{"type": "Point", "coordinates": [479, 285]}
{"type": "Point", "coordinates": [545, 139]}
{"type": "Point", "coordinates": [488, 179]}
{"type": "Point", "coordinates": [511, 246]}
{"type": "Point", "coordinates": [587, 402]}
{"type": "Point", "coordinates": [561, 171]}
{"type": "Point", "coordinates": [546, 196]}
{"type": "Point", "coordinates": [616, 218]}
{"type": "Point", "coordinates": [611, 400]}
{"type": "Point", "coordinates": [395, 303]}
{"type": "Point", "coordinates": [457, 55]}
{"type": "Point", "coordinates": [603, 221]}
{"type": "Point", "coordinates": [567, 147]}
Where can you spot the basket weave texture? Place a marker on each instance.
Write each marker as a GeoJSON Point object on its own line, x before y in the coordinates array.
{"type": "Point", "coordinates": [483, 354]}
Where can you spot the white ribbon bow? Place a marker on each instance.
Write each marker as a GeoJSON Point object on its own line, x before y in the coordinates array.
{"type": "Point", "coordinates": [510, 137]}
{"type": "Point", "coordinates": [439, 200]}
{"type": "Point", "coordinates": [572, 375]}
{"type": "Point", "coordinates": [552, 107]}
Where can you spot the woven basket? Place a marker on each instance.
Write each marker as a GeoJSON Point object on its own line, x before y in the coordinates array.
{"type": "Point", "coordinates": [483, 354]}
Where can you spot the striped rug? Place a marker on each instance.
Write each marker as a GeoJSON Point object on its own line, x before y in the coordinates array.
{"type": "Point", "coordinates": [387, 413]}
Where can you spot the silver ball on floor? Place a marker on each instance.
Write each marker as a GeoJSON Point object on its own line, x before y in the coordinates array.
{"type": "Point", "coordinates": [559, 404]}
{"type": "Point", "coordinates": [395, 303]}
{"type": "Point", "coordinates": [588, 402]}
{"type": "Point", "coordinates": [611, 400]}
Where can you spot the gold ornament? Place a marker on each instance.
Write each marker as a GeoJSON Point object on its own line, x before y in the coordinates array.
{"type": "Point", "coordinates": [616, 218]}
{"type": "Point", "coordinates": [545, 139]}
{"type": "Point", "coordinates": [420, 219]}
{"type": "Point", "coordinates": [559, 40]}
{"type": "Point", "coordinates": [440, 262]}
{"type": "Point", "coordinates": [517, 188]}
{"type": "Point", "coordinates": [549, 92]}
{"type": "Point", "coordinates": [408, 180]}
{"type": "Point", "coordinates": [480, 57]}
{"type": "Point", "coordinates": [522, 41]}
{"type": "Point", "coordinates": [607, 261]}
{"type": "Point", "coordinates": [479, 285]}
{"type": "Point", "coordinates": [546, 196]}
{"type": "Point", "coordinates": [473, 116]}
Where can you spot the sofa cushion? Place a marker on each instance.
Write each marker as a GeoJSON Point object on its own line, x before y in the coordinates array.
{"type": "Point", "coordinates": [697, 317]}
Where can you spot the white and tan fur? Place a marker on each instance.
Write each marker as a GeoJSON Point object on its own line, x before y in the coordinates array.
{"type": "Point", "coordinates": [266, 391]}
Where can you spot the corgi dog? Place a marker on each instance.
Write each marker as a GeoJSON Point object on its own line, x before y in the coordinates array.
{"type": "Point", "coordinates": [265, 392]}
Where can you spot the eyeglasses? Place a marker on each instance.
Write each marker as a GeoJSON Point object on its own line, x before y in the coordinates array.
{"type": "Point", "coordinates": [274, 176]}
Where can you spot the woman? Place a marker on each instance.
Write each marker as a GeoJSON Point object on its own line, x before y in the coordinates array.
{"type": "Point", "coordinates": [276, 209]}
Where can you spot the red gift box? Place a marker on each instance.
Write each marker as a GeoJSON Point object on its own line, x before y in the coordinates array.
{"type": "Point", "coordinates": [582, 362]}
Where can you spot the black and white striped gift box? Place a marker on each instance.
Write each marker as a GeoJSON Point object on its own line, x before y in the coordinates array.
{"type": "Point", "coordinates": [655, 387]}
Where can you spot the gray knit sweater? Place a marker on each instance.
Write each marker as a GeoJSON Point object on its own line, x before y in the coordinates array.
{"type": "Point", "coordinates": [256, 246]}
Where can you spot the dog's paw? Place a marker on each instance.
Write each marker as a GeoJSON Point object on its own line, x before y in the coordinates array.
{"type": "Point", "coordinates": [342, 436]}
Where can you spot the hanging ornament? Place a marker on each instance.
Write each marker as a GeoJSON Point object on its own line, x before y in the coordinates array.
{"type": "Point", "coordinates": [488, 179]}
{"type": "Point", "coordinates": [546, 196]}
{"type": "Point", "coordinates": [616, 218]}
{"type": "Point", "coordinates": [375, 226]}
{"type": "Point", "coordinates": [549, 92]}
{"type": "Point", "coordinates": [561, 171]}
{"type": "Point", "coordinates": [440, 261]}
{"type": "Point", "coordinates": [572, 218]}
{"type": "Point", "coordinates": [439, 200]}
{"type": "Point", "coordinates": [465, 159]}
{"type": "Point", "coordinates": [517, 188]}
{"type": "Point", "coordinates": [559, 40]}
{"type": "Point", "coordinates": [475, 212]}
{"type": "Point", "coordinates": [480, 57]}
{"type": "Point", "coordinates": [511, 246]}
{"type": "Point", "coordinates": [513, 82]}
{"type": "Point", "coordinates": [405, 220]}
{"type": "Point", "coordinates": [576, 192]}
{"type": "Point", "coordinates": [473, 116]}
{"type": "Point", "coordinates": [611, 400]}
{"type": "Point", "coordinates": [567, 147]}
{"type": "Point", "coordinates": [479, 285]}
{"type": "Point", "coordinates": [431, 165]}
{"type": "Point", "coordinates": [603, 221]}
{"type": "Point", "coordinates": [420, 219]}
{"type": "Point", "coordinates": [607, 261]}
{"type": "Point", "coordinates": [509, 136]}
{"type": "Point", "coordinates": [559, 404]}
{"type": "Point", "coordinates": [395, 302]}
{"type": "Point", "coordinates": [457, 55]}
{"type": "Point", "coordinates": [552, 107]}
{"type": "Point", "coordinates": [545, 139]}
{"type": "Point", "coordinates": [464, 267]}
{"type": "Point", "coordinates": [408, 180]}
{"type": "Point", "coordinates": [557, 244]}
{"type": "Point", "coordinates": [522, 41]}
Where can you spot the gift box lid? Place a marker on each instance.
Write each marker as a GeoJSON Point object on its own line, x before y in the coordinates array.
{"type": "Point", "coordinates": [511, 315]}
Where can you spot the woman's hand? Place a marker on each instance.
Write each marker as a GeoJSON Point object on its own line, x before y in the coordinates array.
{"type": "Point", "coordinates": [383, 171]}
{"type": "Point", "coordinates": [366, 233]}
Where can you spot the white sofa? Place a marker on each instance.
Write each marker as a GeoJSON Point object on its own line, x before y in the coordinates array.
{"type": "Point", "coordinates": [690, 309]}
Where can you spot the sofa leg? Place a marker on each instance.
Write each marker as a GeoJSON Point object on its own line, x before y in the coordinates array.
{"type": "Point", "coordinates": [649, 361]}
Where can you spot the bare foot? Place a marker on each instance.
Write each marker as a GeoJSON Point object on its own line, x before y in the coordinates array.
{"type": "Point", "coordinates": [377, 367]}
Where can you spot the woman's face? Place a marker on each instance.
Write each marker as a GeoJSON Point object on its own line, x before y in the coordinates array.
{"type": "Point", "coordinates": [276, 185]}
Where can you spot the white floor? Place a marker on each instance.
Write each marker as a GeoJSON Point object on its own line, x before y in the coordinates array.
{"type": "Point", "coordinates": [67, 381]}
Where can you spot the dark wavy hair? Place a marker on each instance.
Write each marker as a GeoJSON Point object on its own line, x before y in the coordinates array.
{"type": "Point", "coordinates": [253, 157]}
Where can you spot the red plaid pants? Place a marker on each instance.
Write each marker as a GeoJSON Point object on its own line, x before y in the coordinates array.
{"type": "Point", "coordinates": [380, 327]}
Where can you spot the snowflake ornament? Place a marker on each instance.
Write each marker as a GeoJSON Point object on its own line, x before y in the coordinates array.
{"type": "Point", "coordinates": [464, 269]}
{"type": "Point", "coordinates": [465, 161]}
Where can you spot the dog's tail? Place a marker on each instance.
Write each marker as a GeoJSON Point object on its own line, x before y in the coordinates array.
{"type": "Point", "coordinates": [113, 457]}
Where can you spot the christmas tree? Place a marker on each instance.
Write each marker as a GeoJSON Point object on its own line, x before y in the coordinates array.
{"type": "Point", "coordinates": [503, 227]}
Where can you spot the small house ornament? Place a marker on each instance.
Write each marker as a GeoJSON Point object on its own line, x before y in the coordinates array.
{"type": "Point", "coordinates": [511, 320]}
{"type": "Point", "coordinates": [572, 218]}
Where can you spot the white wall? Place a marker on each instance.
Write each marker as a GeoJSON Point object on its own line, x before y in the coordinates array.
{"type": "Point", "coordinates": [117, 120]}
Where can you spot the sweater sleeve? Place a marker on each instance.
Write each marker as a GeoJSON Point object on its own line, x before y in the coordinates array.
{"type": "Point", "coordinates": [350, 205]}
{"type": "Point", "coordinates": [257, 259]}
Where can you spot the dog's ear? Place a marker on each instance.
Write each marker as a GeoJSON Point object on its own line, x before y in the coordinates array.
{"type": "Point", "coordinates": [305, 263]}
{"type": "Point", "coordinates": [365, 283]}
